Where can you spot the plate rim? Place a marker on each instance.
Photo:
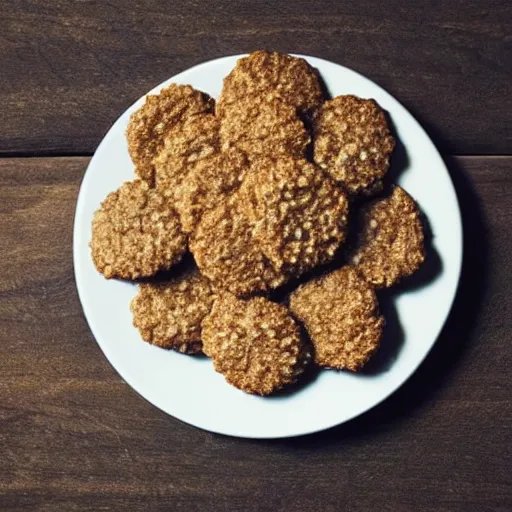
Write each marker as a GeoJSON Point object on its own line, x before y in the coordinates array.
{"type": "Point", "coordinates": [298, 432]}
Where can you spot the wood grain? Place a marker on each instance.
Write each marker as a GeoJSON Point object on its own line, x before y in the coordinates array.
{"type": "Point", "coordinates": [69, 69]}
{"type": "Point", "coordinates": [74, 436]}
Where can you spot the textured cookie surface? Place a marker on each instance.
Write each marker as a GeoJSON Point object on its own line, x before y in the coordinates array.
{"type": "Point", "coordinates": [259, 127]}
{"type": "Point", "coordinates": [160, 113]}
{"type": "Point", "coordinates": [136, 233]}
{"type": "Point", "coordinates": [300, 215]}
{"type": "Point", "coordinates": [211, 180]}
{"type": "Point", "coordinates": [227, 253]}
{"type": "Point", "coordinates": [340, 313]}
{"type": "Point", "coordinates": [271, 75]}
{"type": "Point", "coordinates": [352, 142]}
{"type": "Point", "coordinates": [254, 343]}
{"type": "Point", "coordinates": [169, 314]}
{"type": "Point", "coordinates": [391, 241]}
{"type": "Point", "coordinates": [184, 147]}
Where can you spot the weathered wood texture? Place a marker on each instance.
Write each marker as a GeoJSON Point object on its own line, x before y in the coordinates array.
{"type": "Point", "coordinates": [74, 436]}
{"type": "Point", "coordinates": [69, 68]}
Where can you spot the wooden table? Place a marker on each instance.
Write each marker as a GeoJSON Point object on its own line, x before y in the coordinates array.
{"type": "Point", "coordinates": [74, 436]}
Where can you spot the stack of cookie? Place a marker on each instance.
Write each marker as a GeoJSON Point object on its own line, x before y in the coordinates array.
{"type": "Point", "coordinates": [259, 187]}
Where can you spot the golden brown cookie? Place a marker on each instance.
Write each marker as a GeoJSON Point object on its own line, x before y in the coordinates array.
{"type": "Point", "coordinates": [352, 142]}
{"type": "Point", "coordinates": [161, 112]}
{"type": "Point", "coordinates": [300, 215]}
{"type": "Point", "coordinates": [254, 343]}
{"type": "Point", "coordinates": [226, 252]}
{"type": "Point", "coordinates": [391, 241]}
{"type": "Point", "coordinates": [340, 313]}
{"type": "Point", "coordinates": [169, 314]}
{"type": "Point", "coordinates": [136, 233]}
{"type": "Point", "coordinates": [211, 180]}
{"type": "Point", "coordinates": [184, 146]}
{"type": "Point", "coordinates": [259, 127]}
{"type": "Point", "coordinates": [270, 75]}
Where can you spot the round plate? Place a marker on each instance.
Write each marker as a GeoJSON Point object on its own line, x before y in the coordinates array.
{"type": "Point", "coordinates": [188, 388]}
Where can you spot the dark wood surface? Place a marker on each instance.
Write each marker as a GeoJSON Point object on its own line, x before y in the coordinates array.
{"type": "Point", "coordinates": [74, 436]}
{"type": "Point", "coordinates": [69, 68]}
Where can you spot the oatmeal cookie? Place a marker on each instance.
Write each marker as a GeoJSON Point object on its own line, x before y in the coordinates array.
{"type": "Point", "coordinates": [300, 215]}
{"type": "Point", "coordinates": [211, 181]}
{"type": "Point", "coordinates": [169, 314]}
{"type": "Point", "coordinates": [391, 241]}
{"type": "Point", "coordinates": [269, 75]}
{"type": "Point", "coordinates": [254, 343]}
{"type": "Point", "coordinates": [260, 128]}
{"type": "Point", "coordinates": [352, 142]}
{"type": "Point", "coordinates": [136, 232]}
{"type": "Point", "coordinates": [149, 125]}
{"type": "Point", "coordinates": [340, 312]}
{"type": "Point", "coordinates": [226, 252]}
{"type": "Point", "coordinates": [184, 147]}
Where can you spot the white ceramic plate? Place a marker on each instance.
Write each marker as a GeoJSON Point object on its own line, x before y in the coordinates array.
{"type": "Point", "coordinates": [188, 388]}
